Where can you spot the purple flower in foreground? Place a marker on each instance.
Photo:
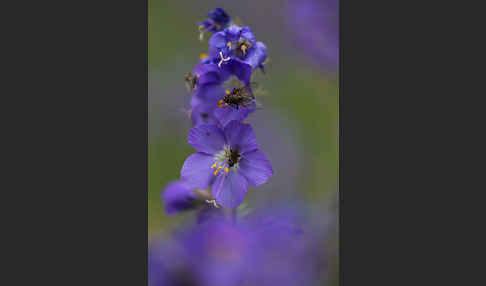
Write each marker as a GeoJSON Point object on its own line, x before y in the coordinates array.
{"type": "Point", "coordinates": [227, 160]}
{"type": "Point", "coordinates": [236, 46]}
{"type": "Point", "coordinates": [217, 20]}
{"type": "Point", "coordinates": [261, 249]}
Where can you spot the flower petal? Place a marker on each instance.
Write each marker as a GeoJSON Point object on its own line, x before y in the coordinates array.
{"type": "Point", "coordinates": [196, 170]}
{"type": "Point", "coordinates": [203, 114]}
{"type": "Point", "coordinates": [208, 139]}
{"type": "Point", "coordinates": [178, 196]}
{"type": "Point", "coordinates": [257, 55]}
{"type": "Point", "coordinates": [240, 135]}
{"type": "Point", "coordinates": [238, 68]}
{"type": "Point", "coordinates": [209, 92]}
{"type": "Point", "coordinates": [255, 167]}
{"type": "Point", "coordinates": [230, 113]}
{"type": "Point", "coordinates": [247, 33]}
{"type": "Point", "coordinates": [233, 33]}
{"type": "Point", "coordinates": [208, 73]}
{"type": "Point", "coordinates": [230, 190]}
{"type": "Point", "coordinates": [218, 40]}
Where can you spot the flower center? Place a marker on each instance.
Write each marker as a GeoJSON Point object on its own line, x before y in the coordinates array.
{"type": "Point", "coordinates": [227, 159]}
{"type": "Point", "coordinates": [242, 47]}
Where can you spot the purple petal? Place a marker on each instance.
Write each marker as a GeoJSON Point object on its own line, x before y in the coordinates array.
{"type": "Point", "coordinates": [208, 139]}
{"type": "Point", "coordinates": [208, 74]}
{"type": "Point", "coordinates": [196, 170]}
{"type": "Point", "coordinates": [247, 33]}
{"type": "Point", "coordinates": [178, 196]}
{"type": "Point", "coordinates": [209, 92]}
{"type": "Point", "coordinates": [257, 55]}
{"type": "Point", "coordinates": [255, 167]}
{"type": "Point", "coordinates": [233, 33]}
{"type": "Point", "coordinates": [230, 190]}
{"type": "Point", "coordinates": [218, 40]}
{"type": "Point", "coordinates": [229, 113]}
{"type": "Point", "coordinates": [209, 213]}
{"type": "Point", "coordinates": [240, 135]}
{"type": "Point", "coordinates": [238, 68]}
{"type": "Point", "coordinates": [203, 114]}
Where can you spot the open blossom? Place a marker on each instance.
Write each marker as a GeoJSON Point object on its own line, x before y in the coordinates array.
{"type": "Point", "coordinates": [236, 104]}
{"type": "Point", "coordinates": [211, 104]}
{"type": "Point", "coordinates": [217, 20]}
{"type": "Point", "coordinates": [227, 160]}
{"type": "Point", "coordinates": [239, 44]}
{"type": "Point", "coordinates": [237, 52]}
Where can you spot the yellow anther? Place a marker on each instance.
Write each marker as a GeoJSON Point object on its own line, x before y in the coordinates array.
{"type": "Point", "coordinates": [220, 101]}
{"type": "Point", "coordinates": [215, 173]}
{"type": "Point", "coordinates": [203, 56]}
{"type": "Point", "coordinates": [213, 166]}
{"type": "Point", "coordinates": [226, 104]}
{"type": "Point", "coordinates": [228, 44]}
{"type": "Point", "coordinates": [227, 92]}
{"type": "Point", "coordinates": [219, 168]}
{"type": "Point", "coordinates": [243, 48]}
{"type": "Point", "coordinates": [226, 170]}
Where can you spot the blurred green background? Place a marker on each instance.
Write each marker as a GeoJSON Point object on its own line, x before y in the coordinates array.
{"type": "Point", "coordinates": [297, 128]}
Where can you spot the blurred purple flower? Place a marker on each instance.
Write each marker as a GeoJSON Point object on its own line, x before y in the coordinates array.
{"type": "Point", "coordinates": [227, 159]}
{"type": "Point", "coordinates": [315, 26]}
{"type": "Point", "coordinates": [178, 196]}
{"type": "Point", "coordinates": [217, 20]}
{"type": "Point", "coordinates": [268, 247]}
{"type": "Point", "coordinates": [167, 265]}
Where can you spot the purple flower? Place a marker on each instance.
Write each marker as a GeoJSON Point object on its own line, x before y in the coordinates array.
{"type": "Point", "coordinates": [262, 249]}
{"type": "Point", "coordinates": [236, 46]}
{"type": "Point", "coordinates": [236, 104]}
{"type": "Point", "coordinates": [315, 25]}
{"type": "Point", "coordinates": [205, 73]}
{"type": "Point", "coordinates": [227, 160]}
{"type": "Point", "coordinates": [167, 265]}
{"type": "Point", "coordinates": [202, 112]}
{"type": "Point", "coordinates": [209, 94]}
{"type": "Point", "coordinates": [217, 20]}
{"type": "Point", "coordinates": [178, 196]}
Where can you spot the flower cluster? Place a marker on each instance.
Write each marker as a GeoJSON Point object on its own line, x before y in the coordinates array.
{"type": "Point", "coordinates": [267, 247]}
{"type": "Point", "coordinates": [228, 158]}
{"type": "Point", "coordinates": [231, 244]}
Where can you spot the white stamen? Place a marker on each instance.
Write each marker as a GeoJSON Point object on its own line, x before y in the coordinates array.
{"type": "Point", "coordinates": [213, 202]}
{"type": "Point", "coordinates": [222, 59]}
